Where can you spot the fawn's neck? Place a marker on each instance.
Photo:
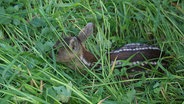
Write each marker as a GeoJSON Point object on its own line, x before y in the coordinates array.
{"type": "Point", "coordinates": [87, 58]}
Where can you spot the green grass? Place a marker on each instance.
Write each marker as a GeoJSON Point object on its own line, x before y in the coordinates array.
{"type": "Point", "coordinates": [29, 28]}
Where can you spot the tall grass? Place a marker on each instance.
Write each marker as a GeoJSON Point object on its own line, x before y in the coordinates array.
{"type": "Point", "coordinates": [29, 29]}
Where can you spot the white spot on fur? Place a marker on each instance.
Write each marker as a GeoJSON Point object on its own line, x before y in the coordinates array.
{"type": "Point", "coordinates": [142, 64]}
{"type": "Point", "coordinates": [117, 51]}
{"type": "Point", "coordinates": [134, 63]}
{"type": "Point", "coordinates": [117, 62]}
{"type": "Point", "coordinates": [153, 63]}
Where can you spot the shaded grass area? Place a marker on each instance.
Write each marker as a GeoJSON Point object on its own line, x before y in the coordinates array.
{"type": "Point", "coordinates": [29, 29]}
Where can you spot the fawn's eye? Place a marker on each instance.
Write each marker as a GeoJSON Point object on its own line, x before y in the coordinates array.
{"type": "Point", "coordinates": [73, 47]}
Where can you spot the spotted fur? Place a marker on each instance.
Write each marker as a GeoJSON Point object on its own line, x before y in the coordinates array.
{"type": "Point", "coordinates": [144, 63]}
{"type": "Point", "coordinates": [135, 47]}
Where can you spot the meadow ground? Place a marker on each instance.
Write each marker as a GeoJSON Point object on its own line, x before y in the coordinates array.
{"type": "Point", "coordinates": [29, 29]}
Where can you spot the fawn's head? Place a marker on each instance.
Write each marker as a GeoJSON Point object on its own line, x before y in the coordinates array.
{"type": "Point", "coordinates": [70, 48]}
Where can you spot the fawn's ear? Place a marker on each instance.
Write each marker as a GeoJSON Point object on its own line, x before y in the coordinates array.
{"type": "Point", "coordinates": [85, 32]}
{"type": "Point", "coordinates": [74, 44]}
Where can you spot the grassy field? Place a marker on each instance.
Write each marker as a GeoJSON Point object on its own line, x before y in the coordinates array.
{"type": "Point", "coordinates": [29, 29]}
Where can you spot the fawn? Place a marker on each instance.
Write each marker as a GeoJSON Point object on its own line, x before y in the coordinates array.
{"type": "Point", "coordinates": [75, 55]}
